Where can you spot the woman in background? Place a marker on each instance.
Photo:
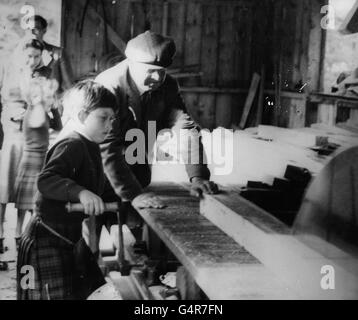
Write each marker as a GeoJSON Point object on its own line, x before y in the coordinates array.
{"type": "Point", "coordinates": [35, 127]}
{"type": "Point", "coordinates": [15, 77]}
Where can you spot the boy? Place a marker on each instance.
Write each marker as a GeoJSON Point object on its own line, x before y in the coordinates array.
{"type": "Point", "coordinates": [73, 172]}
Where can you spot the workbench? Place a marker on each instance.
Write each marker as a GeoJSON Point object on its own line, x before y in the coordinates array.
{"type": "Point", "coordinates": [235, 250]}
{"type": "Point", "coordinates": [330, 106]}
{"type": "Point", "coordinates": [222, 268]}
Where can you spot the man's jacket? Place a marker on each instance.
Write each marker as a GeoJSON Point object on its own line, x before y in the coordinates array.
{"type": "Point", "coordinates": [165, 106]}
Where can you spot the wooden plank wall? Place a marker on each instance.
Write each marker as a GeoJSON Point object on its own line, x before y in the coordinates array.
{"type": "Point", "coordinates": [228, 40]}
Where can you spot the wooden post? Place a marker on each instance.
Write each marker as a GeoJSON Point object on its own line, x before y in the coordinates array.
{"type": "Point", "coordinates": [249, 100]}
{"type": "Point", "coordinates": [165, 18]}
{"type": "Point", "coordinates": [112, 35]}
{"type": "Point", "coordinates": [260, 105]}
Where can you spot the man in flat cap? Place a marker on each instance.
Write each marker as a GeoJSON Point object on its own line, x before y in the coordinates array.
{"type": "Point", "coordinates": [145, 92]}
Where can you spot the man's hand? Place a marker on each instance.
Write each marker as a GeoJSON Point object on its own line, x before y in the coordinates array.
{"type": "Point", "coordinates": [93, 204]}
{"type": "Point", "coordinates": [200, 186]}
{"type": "Point", "coordinates": [147, 200]}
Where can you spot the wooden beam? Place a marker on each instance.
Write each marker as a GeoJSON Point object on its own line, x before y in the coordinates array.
{"type": "Point", "coordinates": [165, 18]}
{"type": "Point", "coordinates": [124, 14]}
{"type": "Point", "coordinates": [285, 94]}
{"type": "Point", "coordinates": [270, 241]}
{"type": "Point", "coordinates": [294, 137]}
{"type": "Point", "coordinates": [260, 104]}
{"type": "Point", "coordinates": [112, 35]}
{"type": "Point", "coordinates": [220, 266]}
{"type": "Point", "coordinates": [234, 3]}
{"type": "Point", "coordinates": [249, 100]}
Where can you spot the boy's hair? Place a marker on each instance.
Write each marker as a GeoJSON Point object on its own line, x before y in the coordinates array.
{"type": "Point", "coordinates": [87, 95]}
{"type": "Point", "coordinates": [33, 43]}
{"type": "Point", "coordinates": [39, 19]}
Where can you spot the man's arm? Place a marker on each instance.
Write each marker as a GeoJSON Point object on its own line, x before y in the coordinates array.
{"type": "Point", "coordinates": [180, 121]}
{"type": "Point", "coordinates": [194, 156]}
{"type": "Point", "coordinates": [117, 170]}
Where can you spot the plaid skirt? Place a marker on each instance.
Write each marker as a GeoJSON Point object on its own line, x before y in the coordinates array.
{"type": "Point", "coordinates": [55, 263]}
{"type": "Point", "coordinates": [50, 259]}
{"type": "Point", "coordinates": [9, 163]}
{"type": "Point", "coordinates": [26, 181]}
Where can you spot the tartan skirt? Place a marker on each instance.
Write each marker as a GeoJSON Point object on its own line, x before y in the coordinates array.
{"type": "Point", "coordinates": [26, 181]}
{"type": "Point", "coordinates": [51, 260]}
{"type": "Point", "coordinates": [10, 159]}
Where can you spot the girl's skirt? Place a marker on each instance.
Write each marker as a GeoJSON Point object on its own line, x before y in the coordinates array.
{"type": "Point", "coordinates": [10, 158]}
{"type": "Point", "coordinates": [26, 180]}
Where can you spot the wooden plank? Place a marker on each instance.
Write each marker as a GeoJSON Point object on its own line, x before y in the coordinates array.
{"type": "Point", "coordinates": [233, 3]}
{"type": "Point", "coordinates": [304, 62]}
{"type": "Point", "coordinates": [294, 137]}
{"type": "Point", "coordinates": [209, 55]}
{"type": "Point", "coordinates": [221, 267]}
{"type": "Point", "coordinates": [87, 48]}
{"type": "Point", "coordinates": [192, 105]}
{"type": "Point", "coordinates": [297, 113]}
{"type": "Point", "coordinates": [299, 25]}
{"type": "Point", "coordinates": [124, 13]}
{"type": "Point", "coordinates": [331, 98]}
{"type": "Point", "coordinates": [156, 16]}
{"type": "Point", "coordinates": [223, 115]}
{"type": "Point", "coordinates": [207, 110]}
{"type": "Point", "coordinates": [165, 18]}
{"type": "Point", "coordinates": [244, 20]}
{"type": "Point", "coordinates": [260, 103]}
{"type": "Point", "coordinates": [278, 59]}
{"type": "Point", "coordinates": [177, 13]}
{"type": "Point", "coordinates": [327, 114]}
{"type": "Point", "coordinates": [288, 94]}
{"type": "Point", "coordinates": [316, 39]}
{"type": "Point", "coordinates": [71, 35]}
{"type": "Point", "coordinates": [288, 42]}
{"type": "Point", "coordinates": [192, 47]}
{"type": "Point", "coordinates": [287, 257]}
{"type": "Point", "coordinates": [226, 76]}
{"type": "Point", "coordinates": [249, 100]}
{"type": "Point", "coordinates": [209, 47]}
{"type": "Point", "coordinates": [112, 35]}
{"type": "Point", "coordinates": [138, 18]}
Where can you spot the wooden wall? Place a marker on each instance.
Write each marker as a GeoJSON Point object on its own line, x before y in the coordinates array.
{"type": "Point", "coordinates": [225, 40]}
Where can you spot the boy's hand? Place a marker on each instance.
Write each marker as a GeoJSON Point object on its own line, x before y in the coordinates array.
{"type": "Point", "coordinates": [147, 200]}
{"type": "Point", "coordinates": [93, 204]}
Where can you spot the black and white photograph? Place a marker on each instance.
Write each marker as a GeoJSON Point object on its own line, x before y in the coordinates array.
{"type": "Point", "coordinates": [186, 153]}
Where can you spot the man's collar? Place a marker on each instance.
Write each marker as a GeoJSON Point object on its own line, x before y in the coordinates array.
{"type": "Point", "coordinates": [132, 88]}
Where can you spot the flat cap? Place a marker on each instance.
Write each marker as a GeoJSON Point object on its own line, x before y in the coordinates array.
{"type": "Point", "coordinates": [151, 48]}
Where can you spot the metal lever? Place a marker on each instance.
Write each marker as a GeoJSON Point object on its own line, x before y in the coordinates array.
{"type": "Point", "coordinates": [78, 207]}
{"type": "Point", "coordinates": [124, 265]}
